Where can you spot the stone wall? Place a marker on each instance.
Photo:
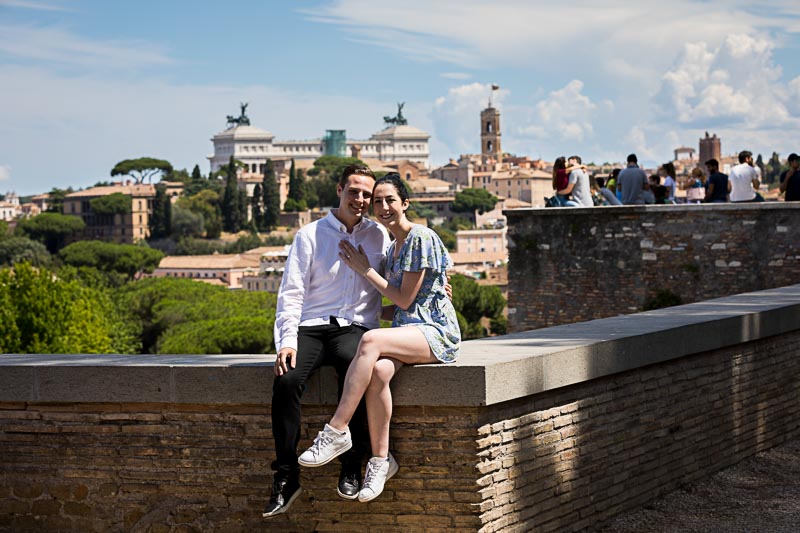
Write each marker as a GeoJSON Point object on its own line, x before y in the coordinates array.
{"type": "Point", "coordinates": [570, 265]}
{"type": "Point", "coordinates": [548, 430]}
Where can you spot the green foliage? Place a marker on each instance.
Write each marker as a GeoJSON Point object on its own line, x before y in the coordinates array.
{"type": "Point", "coordinates": [293, 206]}
{"type": "Point", "coordinates": [205, 203]}
{"type": "Point", "coordinates": [321, 192]}
{"type": "Point", "coordinates": [113, 204]}
{"type": "Point", "coordinates": [161, 219]}
{"type": "Point", "coordinates": [447, 236]}
{"type": "Point", "coordinates": [471, 200]}
{"type": "Point", "coordinates": [3, 229]}
{"type": "Point", "coordinates": [21, 249]}
{"type": "Point", "coordinates": [773, 169]}
{"type": "Point", "coordinates": [231, 212]}
{"type": "Point", "coordinates": [190, 246]}
{"type": "Point", "coordinates": [127, 259]}
{"type": "Point", "coordinates": [296, 186]}
{"type": "Point", "coordinates": [272, 198]}
{"type": "Point", "coordinates": [180, 176]}
{"type": "Point", "coordinates": [184, 316]}
{"type": "Point", "coordinates": [45, 314]}
{"type": "Point", "coordinates": [186, 223]}
{"type": "Point", "coordinates": [196, 175]}
{"type": "Point", "coordinates": [662, 298]}
{"type": "Point", "coordinates": [475, 302]}
{"type": "Point", "coordinates": [331, 166]}
{"type": "Point", "coordinates": [51, 229]}
{"type": "Point", "coordinates": [418, 210]}
{"type": "Point", "coordinates": [55, 201]}
{"type": "Point", "coordinates": [142, 168]}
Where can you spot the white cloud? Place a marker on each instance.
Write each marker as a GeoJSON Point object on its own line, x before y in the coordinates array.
{"type": "Point", "coordinates": [456, 75]}
{"type": "Point", "coordinates": [737, 83]}
{"type": "Point", "coordinates": [5, 173]}
{"type": "Point", "coordinates": [54, 45]}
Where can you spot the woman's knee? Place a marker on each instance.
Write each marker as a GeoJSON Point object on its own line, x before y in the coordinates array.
{"type": "Point", "coordinates": [369, 345]}
{"type": "Point", "coordinates": [383, 372]}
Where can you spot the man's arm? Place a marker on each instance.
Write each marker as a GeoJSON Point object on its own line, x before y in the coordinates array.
{"type": "Point", "coordinates": [785, 181]}
{"type": "Point", "coordinates": [291, 295]}
{"type": "Point", "coordinates": [709, 191]}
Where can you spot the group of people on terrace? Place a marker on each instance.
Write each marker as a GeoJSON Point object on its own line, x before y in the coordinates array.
{"type": "Point", "coordinates": [632, 186]}
{"type": "Point", "coordinates": [328, 312]}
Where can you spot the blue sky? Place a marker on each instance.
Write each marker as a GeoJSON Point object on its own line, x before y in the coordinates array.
{"type": "Point", "coordinates": [85, 84]}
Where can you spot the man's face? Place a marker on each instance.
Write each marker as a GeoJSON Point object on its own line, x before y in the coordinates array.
{"type": "Point", "coordinates": [795, 164]}
{"type": "Point", "coordinates": [571, 161]}
{"type": "Point", "coordinates": [711, 169]}
{"type": "Point", "coordinates": [355, 196]}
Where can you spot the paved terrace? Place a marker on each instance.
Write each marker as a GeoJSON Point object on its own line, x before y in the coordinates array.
{"type": "Point", "coordinates": [560, 428]}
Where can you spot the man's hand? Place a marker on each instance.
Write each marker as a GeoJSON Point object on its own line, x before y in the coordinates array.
{"type": "Point", "coordinates": [286, 359]}
{"type": "Point", "coordinates": [448, 288]}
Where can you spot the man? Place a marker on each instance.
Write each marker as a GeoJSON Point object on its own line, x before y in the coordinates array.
{"type": "Point", "coordinates": [578, 184]}
{"type": "Point", "coordinates": [743, 181]}
{"type": "Point", "coordinates": [717, 186]}
{"type": "Point", "coordinates": [323, 309]}
{"type": "Point", "coordinates": [790, 179]}
{"type": "Point", "coordinates": [633, 181]}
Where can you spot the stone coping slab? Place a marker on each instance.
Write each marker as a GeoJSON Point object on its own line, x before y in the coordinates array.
{"type": "Point", "coordinates": [489, 371]}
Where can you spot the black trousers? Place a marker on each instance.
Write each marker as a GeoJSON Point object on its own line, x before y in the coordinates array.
{"type": "Point", "coordinates": [317, 346]}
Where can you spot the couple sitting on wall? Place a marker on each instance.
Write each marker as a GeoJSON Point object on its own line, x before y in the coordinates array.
{"type": "Point", "coordinates": [329, 304]}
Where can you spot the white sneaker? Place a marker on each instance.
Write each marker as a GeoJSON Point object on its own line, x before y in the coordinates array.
{"type": "Point", "coordinates": [328, 445]}
{"type": "Point", "coordinates": [378, 471]}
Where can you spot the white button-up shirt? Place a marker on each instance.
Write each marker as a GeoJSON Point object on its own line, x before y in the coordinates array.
{"type": "Point", "coordinates": [318, 285]}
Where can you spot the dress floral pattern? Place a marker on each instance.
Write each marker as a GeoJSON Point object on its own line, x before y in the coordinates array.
{"type": "Point", "coordinates": [432, 311]}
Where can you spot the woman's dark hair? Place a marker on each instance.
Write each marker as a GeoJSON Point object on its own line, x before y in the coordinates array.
{"type": "Point", "coordinates": [394, 179]}
{"type": "Point", "coordinates": [615, 172]}
{"type": "Point", "coordinates": [559, 164]}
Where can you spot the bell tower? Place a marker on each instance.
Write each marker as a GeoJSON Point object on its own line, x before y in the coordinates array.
{"type": "Point", "coordinates": [490, 135]}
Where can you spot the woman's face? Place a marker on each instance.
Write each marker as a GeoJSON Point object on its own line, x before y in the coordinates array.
{"type": "Point", "coordinates": [387, 205]}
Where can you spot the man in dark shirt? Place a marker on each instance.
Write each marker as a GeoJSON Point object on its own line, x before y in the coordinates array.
{"type": "Point", "coordinates": [718, 185]}
{"type": "Point", "coordinates": [790, 180]}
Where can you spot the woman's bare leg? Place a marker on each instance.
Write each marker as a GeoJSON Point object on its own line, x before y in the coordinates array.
{"type": "Point", "coordinates": [379, 404]}
{"type": "Point", "coordinates": [406, 344]}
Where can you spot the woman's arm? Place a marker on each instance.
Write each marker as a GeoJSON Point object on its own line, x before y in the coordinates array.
{"type": "Point", "coordinates": [402, 297]}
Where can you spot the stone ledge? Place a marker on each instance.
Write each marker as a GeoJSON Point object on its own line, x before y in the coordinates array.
{"type": "Point", "coordinates": [490, 371]}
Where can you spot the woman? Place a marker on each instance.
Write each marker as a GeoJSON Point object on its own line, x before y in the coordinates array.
{"type": "Point", "coordinates": [695, 189]}
{"type": "Point", "coordinates": [670, 181]}
{"type": "Point", "coordinates": [424, 330]}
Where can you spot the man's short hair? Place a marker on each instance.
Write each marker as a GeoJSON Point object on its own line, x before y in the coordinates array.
{"type": "Point", "coordinates": [743, 155]}
{"type": "Point", "coordinates": [349, 170]}
{"type": "Point", "coordinates": [576, 158]}
{"type": "Point", "coordinates": [793, 157]}
{"type": "Point", "coordinates": [712, 163]}
{"type": "Point", "coordinates": [633, 159]}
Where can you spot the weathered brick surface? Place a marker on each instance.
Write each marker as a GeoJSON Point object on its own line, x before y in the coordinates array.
{"type": "Point", "coordinates": [632, 437]}
{"type": "Point", "coordinates": [563, 460]}
{"type": "Point", "coordinates": [572, 265]}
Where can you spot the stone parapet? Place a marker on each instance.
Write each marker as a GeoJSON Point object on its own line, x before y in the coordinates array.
{"type": "Point", "coordinates": [576, 264]}
{"type": "Point", "coordinates": [553, 429]}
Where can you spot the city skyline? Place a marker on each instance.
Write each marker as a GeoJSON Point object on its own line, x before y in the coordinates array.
{"type": "Point", "coordinates": [88, 83]}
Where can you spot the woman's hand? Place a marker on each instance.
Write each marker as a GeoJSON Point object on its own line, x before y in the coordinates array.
{"type": "Point", "coordinates": [355, 259]}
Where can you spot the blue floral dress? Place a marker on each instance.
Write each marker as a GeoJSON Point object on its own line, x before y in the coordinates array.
{"type": "Point", "coordinates": [432, 311]}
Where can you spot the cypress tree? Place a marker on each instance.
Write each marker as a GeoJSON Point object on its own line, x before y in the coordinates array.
{"type": "Point", "coordinates": [295, 184]}
{"type": "Point", "coordinates": [196, 175]}
{"type": "Point", "coordinates": [256, 207]}
{"type": "Point", "coordinates": [161, 218]}
{"type": "Point", "coordinates": [231, 218]}
{"type": "Point", "coordinates": [272, 197]}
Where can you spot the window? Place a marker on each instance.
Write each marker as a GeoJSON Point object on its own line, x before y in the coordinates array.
{"type": "Point", "coordinates": [488, 127]}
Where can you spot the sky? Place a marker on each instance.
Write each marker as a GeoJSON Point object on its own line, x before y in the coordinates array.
{"type": "Point", "coordinates": [85, 84]}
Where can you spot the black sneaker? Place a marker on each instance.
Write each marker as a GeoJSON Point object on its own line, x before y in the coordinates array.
{"type": "Point", "coordinates": [284, 493]}
{"type": "Point", "coordinates": [349, 482]}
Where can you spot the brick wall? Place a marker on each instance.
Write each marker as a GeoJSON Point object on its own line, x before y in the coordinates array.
{"type": "Point", "coordinates": [194, 467]}
{"type": "Point", "coordinates": [571, 265]}
{"type": "Point", "coordinates": [574, 458]}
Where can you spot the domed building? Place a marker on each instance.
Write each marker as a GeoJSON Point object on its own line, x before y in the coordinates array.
{"type": "Point", "coordinates": [253, 146]}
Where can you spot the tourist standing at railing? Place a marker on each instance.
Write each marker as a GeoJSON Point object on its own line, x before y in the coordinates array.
{"type": "Point", "coordinates": [424, 330]}
{"type": "Point", "coordinates": [744, 182]}
{"type": "Point", "coordinates": [695, 187]}
{"type": "Point", "coordinates": [717, 186]}
{"type": "Point", "coordinates": [668, 172]}
{"type": "Point", "coordinates": [790, 179]}
{"type": "Point", "coordinates": [323, 310]}
{"type": "Point", "coordinates": [633, 181]}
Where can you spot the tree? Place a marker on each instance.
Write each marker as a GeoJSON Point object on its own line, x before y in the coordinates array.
{"type": "Point", "coordinates": [3, 229]}
{"type": "Point", "coordinates": [127, 259]}
{"type": "Point", "coordinates": [113, 204]}
{"type": "Point", "coordinates": [331, 166]}
{"type": "Point", "coordinates": [21, 249]}
{"type": "Point", "coordinates": [474, 303]}
{"type": "Point", "coordinates": [186, 223]}
{"type": "Point", "coordinates": [471, 200]}
{"type": "Point", "coordinates": [296, 184]}
{"type": "Point", "coordinates": [43, 313]}
{"type": "Point", "coordinates": [143, 168]}
{"type": "Point", "coordinates": [231, 214]}
{"type": "Point", "coordinates": [55, 200]}
{"type": "Point", "coordinates": [51, 229]}
{"type": "Point", "coordinates": [257, 207]}
{"type": "Point", "coordinates": [272, 197]}
{"type": "Point", "coordinates": [206, 204]}
{"type": "Point", "coordinates": [773, 170]}
{"type": "Point", "coordinates": [161, 218]}
{"type": "Point", "coordinates": [196, 175]}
